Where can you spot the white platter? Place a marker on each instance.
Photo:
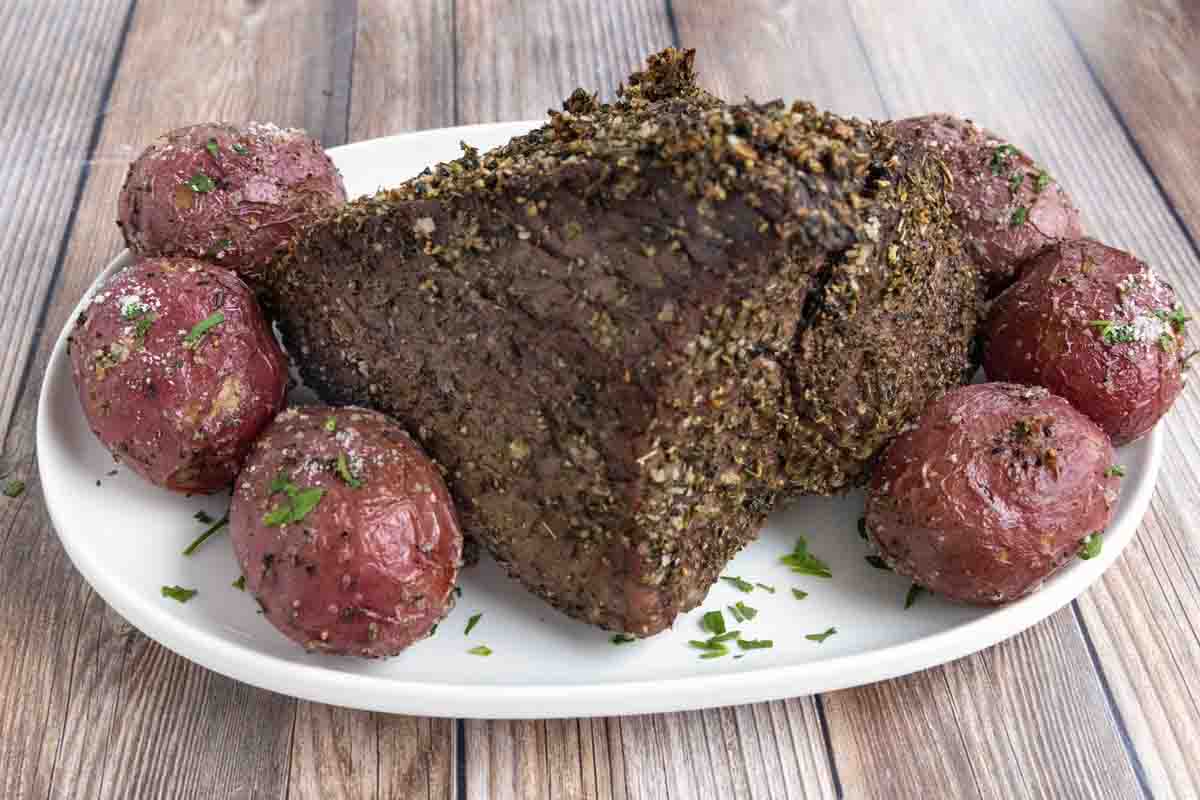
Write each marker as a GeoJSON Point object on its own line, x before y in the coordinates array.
{"type": "Point", "coordinates": [126, 537]}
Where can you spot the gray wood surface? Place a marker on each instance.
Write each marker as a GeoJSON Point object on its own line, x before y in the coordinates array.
{"type": "Point", "coordinates": [1097, 701]}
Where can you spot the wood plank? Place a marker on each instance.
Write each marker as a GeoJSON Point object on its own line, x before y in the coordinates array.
{"type": "Point", "coordinates": [334, 754]}
{"type": "Point", "coordinates": [143, 720]}
{"type": "Point", "coordinates": [1154, 86]}
{"type": "Point", "coordinates": [765, 49]}
{"type": "Point", "coordinates": [57, 60]}
{"type": "Point", "coordinates": [515, 60]}
{"type": "Point", "coordinates": [416, 757]}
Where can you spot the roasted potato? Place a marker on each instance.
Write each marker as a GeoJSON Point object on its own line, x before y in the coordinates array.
{"type": "Point", "coordinates": [226, 194]}
{"type": "Point", "coordinates": [177, 371]}
{"type": "Point", "coordinates": [1097, 326]}
{"type": "Point", "coordinates": [995, 488]}
{"type": "Point", "coordinates": [1008, 207]}
{"type": "Point", "coordinates": [345, 532]}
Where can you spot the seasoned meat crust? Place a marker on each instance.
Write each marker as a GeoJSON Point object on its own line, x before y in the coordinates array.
{"type": "Point", "coordinates": [625, 334]}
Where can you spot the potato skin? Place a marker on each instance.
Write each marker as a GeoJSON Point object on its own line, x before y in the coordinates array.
{"type": "Point", "coordinates": [984, 200]}
{"type": "Point", "coordinates": [266, 183]}
{"type": "Point", "coordinates": [1041, 332]}
{"type": "Point", "coordinates": [182, 416]}
{"type": "Point", "coordinates": [991, 492]}
{"type": "Point", "coordinates": [370, 569]}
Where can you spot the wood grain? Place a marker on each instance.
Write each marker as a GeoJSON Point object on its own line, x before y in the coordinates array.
{"type": "Point", "coordinates": [1154, 85]}
{"type": "Point", "coordinates": [515, 60]}
{"type": "Point", "coordinates": [96, 693]}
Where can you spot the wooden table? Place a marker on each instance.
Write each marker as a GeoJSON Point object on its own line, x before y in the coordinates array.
{"type": "Point", "coordinates": [1100, 700]}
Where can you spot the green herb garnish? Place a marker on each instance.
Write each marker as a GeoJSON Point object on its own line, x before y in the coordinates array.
{"type": "Point", "coordinates": [179, 593]}
{"type": "Point", "coordinates": [766, 588]}
{"type": "Point", "coordinates": [300, 502]}
{"type": "Point", "coordinates": [1114, 333]}
{"type": "Point", "coordinates": [211, 147]}
{"type": "Point", "coordinates": [1115, 471]}
{"type": "Point", "coordinates": [480, 650]}
{"type": "Point", "coordinates": [878, 563]}
{"type": "Point", "coordinates": [142, 327]}
{"type": "Point", "coordinates": [1015, 180]}
{"type": "Point", "coordinates": [240, 583]}
{"type": "Point", "coordinates": [755, 644]}
{"type": "Point", "coordinates": [741, 584]}
{"type": "Point", "coordinates": [713, 622]}
{"type": "Point", "coordinates": [220, 245]}
{"type": "Point", "coordinates": [804, 562]}
{"type": "Point", "coordinates": [343, 471]}
{"type": "Point", "coordinates": [200, 183]}
{"type": "Point", "coordinates": [862, 529]}
{"type": "Point", "coordinates": [914, 592]}
{"type": "Point", "coordinates": [198, 331]}
{"type": "Point", "coordinates": [1042, 181]}
{"type": "Point", "coordinates": [331, 424]}
{"type": "Point", "coordinates": [799, 594]}
{"type": "Point", "coordinates": [239, 148]}
{"type": "Point", "coordinates": [1019, 216]}
{"type": "Point", "coordinates": [746, 612]}
{"type": "Point", "coordinates": [134, 310]}
{"type": "Point", "coordinates": [202, 538]}
{"type": "Point", "coordinates": [458, 591]}
{"type": "Point", "coordinates": [724, 651]}
{"type": "Point", "coordinates": [622, 638]}
{"type": "Point", "coordinates": [1000, 157]}
{"type": "Point", "coordinates": [472, 622]}
{"type": "Point", "coordinates": [822, 636]}
{"type": "Point", "coordinates": [1090, 546]}
{"type": "Point", "coordinates": [14, 488]}
{"type": "Point", "coordinates": [203, 517]}
{"type": "Point", "coordinates": [1177, 317]}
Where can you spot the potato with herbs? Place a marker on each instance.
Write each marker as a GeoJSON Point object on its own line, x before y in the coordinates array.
{"type": "Point", "coordinates": [227, 194]}
{"type": "Point", "coordinates": [345, 532]}
{"type": "Point", "coordinates": [1097, 326]}
{"type": "Point", "coordinates": [995, 488]}
{"type": "Point", "coordinates": [177, 371]}
{"type": "Point", "coordinates": [1007, 205]}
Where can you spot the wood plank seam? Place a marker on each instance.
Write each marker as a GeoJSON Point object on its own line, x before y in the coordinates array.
{"type": "Point", "coordinates": [62, 736]}
{"type": "Point", "coordinates": [819, 702]}
{"type": "Point", "coordinates": [460, 752]}
{"type": "Point", "coordinates": [1134, 144]}
{"type": "Point", "coordinates": [673, 24]}
{"type": "Point", "coordinates": [60, 258]}
{"type": "Point", "coordinates": [1118, 718]}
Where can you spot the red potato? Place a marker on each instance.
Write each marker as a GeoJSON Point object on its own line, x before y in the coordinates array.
{"type": "Point", "coordinates": [225, 194]}
{"type": "Point", "coordinates": [1008, 207]}
{"type": "Point", "coordinates": [995, 488]}
{"type": "Point", "coordinates": [345, 532]}
{"type": "Point", "coordinates": [177, 371]}
{"type": "Point", "coordinates": [1096, 326]}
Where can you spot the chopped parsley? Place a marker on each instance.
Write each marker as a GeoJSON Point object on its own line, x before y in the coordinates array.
{"type": "Point", "coordinates": [822, 636]}
{"type": "Point", "coordinates": [239, 148]}
{"type": "Point", "coordinates": [1166, 341]}
{"type": "Point", "coordinates": [1114, 333]}
{"type": "Point", "coordinates": [1091, 545]}
{"type": "Point", "coordinates": [1115, 471]}
{"type": "Point", "coordinates": [203, 517]}
{"type": "Point", "coordinates": [1000, 157]}
{"type": "Point", "coordinates": [877, 563]}
{"type": "Point", "coordinates": [179, 593]}
{"type": "Point", "coordinates": [433, 630]}
{"type": "Point", "coordinates": [1018, 217]}
{"type": "Point", "coordinates": [198, 331]}
{"type": "Point", "coordinates": [743, 612]}
{"type": "Point", "coordinates": [799, 594]}
{"type": "Point", "coordinates": [804, 562]}
{"type": "Point", "coordinates": [1178, 318]}
{"type": "Point", "coordinates": [472, 622]}
{"type": "Point", "coordinates": [134, 310]}
{"type": "Point", "coordinates": [458, 591]}
{"type": "Point", "coordinates": [299, 502]}
{"type": "Point", "coordinates": [741, 584]}
{"type": "Point", "coordinates": [331, 424]}
{"type": "Point", "coordinates": [1015, 180]}
{"type": "Point", "coordinates": [1042, 181]}
{"type": "Point", "coordinates": [219, 246]}
{"type": "Point", "coordinates": [755, 644]}
{"type": "Point", "coordinates": [480, 650]}
{"type": "Point", "coordinates": [200, 183]}
{"type": "Point", "coordinates": [202, 538]}
{"type": "Point", "coordinates": [766, 588]}
{"type": "Point", "coordinates": [142, 327]}
{"type": "Point", "coordinates": [862, 529]}
{"type": "Point", "coordinates": [713, 648]}
{"type": "Point", "coordinates": [914, 592]}
{"type": "Point", "coordinates": [211, 147]}
{"type": "Point", "coordinates": [343, 471]}
{"type": "Point", "coordinates": [713, 622]}
{"type": "Point", "coordinates": [622, 638]}
{"type": "Point", "coordinates": [240, 583]}
{"type": "Point", "coordinates": [14, 488]}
